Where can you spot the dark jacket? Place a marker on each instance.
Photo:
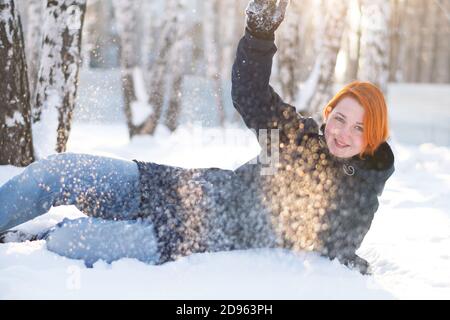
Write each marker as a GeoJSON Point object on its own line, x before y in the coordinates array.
{"type": "Point", "coordinates": [313, 201]}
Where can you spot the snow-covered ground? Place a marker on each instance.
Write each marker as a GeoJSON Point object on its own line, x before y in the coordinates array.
{"type": "Point", "coordinates": [408, 244]}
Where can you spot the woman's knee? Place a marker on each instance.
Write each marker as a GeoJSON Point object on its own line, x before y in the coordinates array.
{"type": "Point", "coordinates": [50, 172]}
{"type": "Point", "coordinates": [97, 186]}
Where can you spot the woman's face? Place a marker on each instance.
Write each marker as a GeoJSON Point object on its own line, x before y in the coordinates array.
{"type": "Point", "coordinates": [344, 129]}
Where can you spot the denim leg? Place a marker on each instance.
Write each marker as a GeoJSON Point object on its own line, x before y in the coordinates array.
{"type": "Point", "coordinates": [93, 239]}
{"type": "Point", "coordinates": [98, 186]}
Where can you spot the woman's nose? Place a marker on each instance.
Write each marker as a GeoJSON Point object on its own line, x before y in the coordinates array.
{"type": "Point", "coordinates": [343, 134]}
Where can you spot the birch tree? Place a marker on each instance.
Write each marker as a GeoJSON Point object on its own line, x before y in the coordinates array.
{"type": "Point", "coordinates": [229, 35]}
{"type": "Point", "coordinates": [318, 89]}
{"type": "Point", "coordinates": [159, 68]}
{"type": "Point", "coordinates": [57, 84]}
{"type": "Point", "coordinates": [423, 48]}
{"type": "Point", "coordinates": [33, 40]}
{"type": "Point", "coordinates": [151, 23]}
{"type": "Point", "coordinates": [396, 28]}
{"type": "Point", "coordinates": [288, 58]}
{"type": "Point", "coordinates": [374, 62]}
{"type": "Point", "coordinates": [16, 146]}
{"type": "Point", "coordinates": [89, 32]}
{"type": "Point", "coordinates": [441, 58]}
{"type": "Point", "coordinates": [436, 35]}
{"type": "Point", "coordinates": [353, 42]}
{"type": "Point", "coordinates": [181, 53]}
{"type": "Point", "coordinates": [126, 17]}
{"type": "Point", "coordinates": [211, 27]}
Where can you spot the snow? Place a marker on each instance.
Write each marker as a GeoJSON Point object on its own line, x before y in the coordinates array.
{"type": "Point", "coordinates": [16, 119]}
{"type": "Point", "coordinates": [408, 244]}
{"type": "Point", "coordinates": [45, 130]}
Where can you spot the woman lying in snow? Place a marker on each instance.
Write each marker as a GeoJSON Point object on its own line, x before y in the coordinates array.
{"type": "Point", "coordinates": [320, 195]}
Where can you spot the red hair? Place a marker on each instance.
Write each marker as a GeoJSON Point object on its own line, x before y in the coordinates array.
{"type": "Point", "coordinates": [376, 128]}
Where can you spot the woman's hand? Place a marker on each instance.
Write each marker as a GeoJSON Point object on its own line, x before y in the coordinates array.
{"type": "Point", "coordinates": [357, 263]}
{"type": "Point", "coordinates": [264, 17]}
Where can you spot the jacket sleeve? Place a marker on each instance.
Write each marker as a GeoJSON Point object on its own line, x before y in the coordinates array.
{"type": "Point", "coordinates": [255, 100]}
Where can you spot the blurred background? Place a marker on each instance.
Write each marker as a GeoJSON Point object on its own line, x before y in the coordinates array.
{"type": "Point", "coordinates": [177, 55]}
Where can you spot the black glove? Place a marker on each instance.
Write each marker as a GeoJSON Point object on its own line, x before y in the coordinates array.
{"type": "Point", "coordinates": [16, 236]}
{"type": "Point", "coordinates": [357, 263]}
{"type": "Point", "coordinates": [264, 17]}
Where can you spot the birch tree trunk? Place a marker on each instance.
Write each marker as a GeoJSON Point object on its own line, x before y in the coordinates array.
{"type": "Point", "coordinates": [353, 42]}
{"type": "Point", "coordinates": [16, 147]}
{"type": "Point", "coordinates": [180, 55]}
{"type": "Point", "coordinates": [411, 39]}
{"type": "Point", "coordinates": [307, 40]}
{"type": "Point", "coordinates": [441, 65]}
{"type": "Point", "coordinates": [89, 33]}
{"type": "Point", "coordinates": [396, 27]}
{"type": "Point", "coordinates": [126, 17]}
{"type": "Point", "coordinates": [33, 40]}
{"type": "Point", "coordinates": [150, 20]}
{"type": "Point", "coordinates": [423, 44]}
{"type": "Point", "coordinates": [211, 50]}
{"type": "Point", "coordinates": [58, 75]}
{"type": "Point", "coordinates": [229, 36]}
{"type": "Point", "coordinates": [374, 63]}
{"type": "Point", "coordinates": [289, 39]}
{"type": "Point", "coordinates": [422, 38]}
{"type": "Point", "coordinates": [319, 86]}
{"type": "Point", "coordinates": [159, 69]}
{"type": "Point", "coordinates": [434, 32]}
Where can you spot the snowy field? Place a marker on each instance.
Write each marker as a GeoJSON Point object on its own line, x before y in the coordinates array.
{"type": "Point", "coordinates": [408, 245]}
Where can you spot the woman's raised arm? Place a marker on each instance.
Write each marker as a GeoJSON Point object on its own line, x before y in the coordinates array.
{"type": "Point", "coordinates": [256, 101]}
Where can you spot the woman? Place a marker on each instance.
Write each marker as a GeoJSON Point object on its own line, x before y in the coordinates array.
{"type": "Point", "coordinates": [321, 195]}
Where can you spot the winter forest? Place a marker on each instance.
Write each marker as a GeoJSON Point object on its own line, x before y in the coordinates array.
{"type": "Point", "coordinates": [151, 80]}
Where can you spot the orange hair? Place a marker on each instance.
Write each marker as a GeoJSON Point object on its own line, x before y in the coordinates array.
{"type": "Point", "coordinates": [376, 128]}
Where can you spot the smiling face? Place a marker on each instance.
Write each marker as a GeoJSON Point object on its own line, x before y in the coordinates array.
{"type": "Point", "coordinates": [344, 131]}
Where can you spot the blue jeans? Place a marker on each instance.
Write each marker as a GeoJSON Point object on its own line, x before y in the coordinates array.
{"type": "Point", "coordinates": [101, 187]}
{"type": "Point", "coordinates": [98, 186]}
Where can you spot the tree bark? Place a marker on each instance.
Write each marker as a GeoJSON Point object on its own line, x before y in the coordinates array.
{"type": "Point", "coordinates": [441, 71]}
{"type": "Point", "coordinates": [92, 19]}
{"type": "Point", "coordinates": [174, 109]}
{"type": "Point", "coordinates": [396, 28]}
{"type": "Point", "coordinates": [354, 47]}
{"type": "Point", "coordinates": [159, 69]}
{"type": "Point", "coordinates": [126, 16]}
{"type": "Point", "coordinates": [421, 54]}
{"type": "Point", "coordinates": [58, 75]}
{"type": "Point", "coordinates": [212, 55]}
{"type": "Point", "coordinates": [289, 56]}
{"type": "Point", "coordinates": [229, 36]}
{"type": "Point", "coordinates": [16, 147]}
{"type": "Point", "coordinates": [321, 80]}
{"type": "Point", "coordinates": [181, 53]}
{"type": "Point", "coordinates": [374, 63]}
{"type": "Point", "coordinates": [33, 42]}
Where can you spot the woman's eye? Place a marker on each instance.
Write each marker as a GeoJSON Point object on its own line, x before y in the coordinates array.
{"type": "Point", "coordinates": [359, 128]}
{"type": "Point", "coordinates": [339, 119]}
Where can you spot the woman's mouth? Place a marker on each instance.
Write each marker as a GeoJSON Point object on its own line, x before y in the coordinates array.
{"type": "Point", "coordinates": [339, 144]}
